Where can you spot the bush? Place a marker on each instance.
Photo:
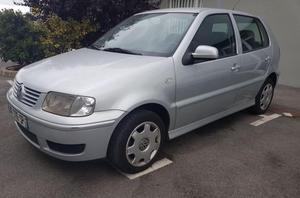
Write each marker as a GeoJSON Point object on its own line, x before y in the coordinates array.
{"type": "Point", "coordinates": [19, 39]}
{"type": "Point", "coordinates": [25, 41]}
{"type": "Point", "coordinates": [60, 36]}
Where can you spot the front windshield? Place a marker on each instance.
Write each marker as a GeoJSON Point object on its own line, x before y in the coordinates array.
{"type": "Point", "coordinates": [156, 34]}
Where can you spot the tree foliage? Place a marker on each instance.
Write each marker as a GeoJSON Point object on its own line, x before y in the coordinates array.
{"type": "Point", "coordinates": [57, 26]}
{"type": "Point", "coordinates": [24, 40]}
{"type": "Point", "coordinates": [102, 13]}
{"type": "Point", "coordinates": [60, 36]}
{"type": "Point", "coordinates": [19, 39]}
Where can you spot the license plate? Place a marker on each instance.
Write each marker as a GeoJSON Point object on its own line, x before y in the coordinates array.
{"type": "Point", "coordinates": [18, 117]}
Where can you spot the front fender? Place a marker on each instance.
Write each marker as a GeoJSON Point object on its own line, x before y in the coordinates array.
{"type": "Point", "coordinates": [134, 101]}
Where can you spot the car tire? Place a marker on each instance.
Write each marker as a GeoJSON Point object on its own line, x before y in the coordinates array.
{"type": "Point", "coordinates": [136, 141]}
{"type": "Point", "coordinates": [264, 97]}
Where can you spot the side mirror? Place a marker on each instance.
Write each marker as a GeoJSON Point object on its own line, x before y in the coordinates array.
{"type": "Point", "coordinates": [205, 52]}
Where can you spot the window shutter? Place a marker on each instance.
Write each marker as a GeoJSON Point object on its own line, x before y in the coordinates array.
{"type": "Point", "coordinates": [185, 3]}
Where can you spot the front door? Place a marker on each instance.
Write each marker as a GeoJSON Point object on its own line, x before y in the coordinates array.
{"type": "Point", "coordinates": [205, 87]}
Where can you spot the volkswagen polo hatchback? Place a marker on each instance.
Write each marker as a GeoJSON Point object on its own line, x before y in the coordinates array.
{"type": "Point", "coordinates": [155, 76]}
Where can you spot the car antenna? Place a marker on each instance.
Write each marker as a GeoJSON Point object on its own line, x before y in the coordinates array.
{"type": "Point", "coordinates": [236, 3]}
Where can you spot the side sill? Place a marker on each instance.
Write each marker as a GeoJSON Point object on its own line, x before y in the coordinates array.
{"type": "Point", "coordinates": [185, 129]}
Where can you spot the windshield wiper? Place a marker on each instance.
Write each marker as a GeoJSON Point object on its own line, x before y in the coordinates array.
{"type": "Point", "coordinates": [94, 47]}
{"type": "Point", "coordinates": [120, 50]}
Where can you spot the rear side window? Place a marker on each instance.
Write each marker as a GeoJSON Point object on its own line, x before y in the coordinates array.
{"type": "Point", "coordinates": [253, 34]}
{"type": "Point", "coordinates": [217, 31]}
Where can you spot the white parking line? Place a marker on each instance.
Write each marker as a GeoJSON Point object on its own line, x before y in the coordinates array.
{"type": "Point", "coordinates": [266, 118]}
{"type": "Point", "coordinates": [157, 165]}
{"type": "Point", "coordinates": [10, 82]}
{"type": "Point", "coordinates": [288, 115]}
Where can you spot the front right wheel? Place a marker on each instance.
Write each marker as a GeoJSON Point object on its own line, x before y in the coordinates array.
{"type": "Point", "coordinates": [136, 141]}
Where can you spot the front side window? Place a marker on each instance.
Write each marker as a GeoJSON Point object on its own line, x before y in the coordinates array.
{"type": "Point", "coordinates": [156, 34]}
{"type": "Point", "coordinates": [252, 32]}
{"type": "Point", "coordinates": [217, 31]}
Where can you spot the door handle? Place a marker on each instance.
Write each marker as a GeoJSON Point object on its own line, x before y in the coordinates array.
{"type": "Point", "coordinates": [268, 59]}
{"type": "Point", "coordinates": [235, 68]}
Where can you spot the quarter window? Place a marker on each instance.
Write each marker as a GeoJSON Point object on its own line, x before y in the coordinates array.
{"type": "Point", "coordinates": [217, 31]}
{"type": "Point", "coordinates": [253, 34]}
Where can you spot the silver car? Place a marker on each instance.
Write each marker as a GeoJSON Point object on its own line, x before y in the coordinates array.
{"type": "Point", "coordinates": [154, 77]}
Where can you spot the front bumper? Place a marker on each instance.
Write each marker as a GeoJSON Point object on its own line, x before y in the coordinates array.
{"type": "Point", "coordinates": [70, 139]}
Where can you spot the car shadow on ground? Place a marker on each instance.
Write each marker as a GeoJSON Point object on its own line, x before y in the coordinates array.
{"type": "Point", "coordinates": [70, 167]}
{"type": "Point", "coordinates": [207, 135]}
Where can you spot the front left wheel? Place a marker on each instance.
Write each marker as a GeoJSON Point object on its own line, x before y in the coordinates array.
{"type": "Point", "coordinates": [136, 141]}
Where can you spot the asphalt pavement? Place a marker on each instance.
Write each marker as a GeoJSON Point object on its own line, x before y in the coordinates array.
{"type": "Point", "coordinates": [227, 158]}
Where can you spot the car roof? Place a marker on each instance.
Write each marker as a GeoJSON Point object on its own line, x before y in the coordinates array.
{"type": "Point", "coordinates": [194, 10]}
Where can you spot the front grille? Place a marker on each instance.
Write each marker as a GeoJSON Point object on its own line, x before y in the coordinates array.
{"type": "Point", "coordinates": [28, 134]}
{"type": "Point", "coordinates": [25, 94]}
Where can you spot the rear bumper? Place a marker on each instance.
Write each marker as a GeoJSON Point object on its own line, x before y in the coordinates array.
{"type": "Point", "coordinates": [70, 142]}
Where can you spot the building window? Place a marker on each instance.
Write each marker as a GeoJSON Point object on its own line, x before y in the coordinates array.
{"type": "Point", "coordinates": [185, 3]}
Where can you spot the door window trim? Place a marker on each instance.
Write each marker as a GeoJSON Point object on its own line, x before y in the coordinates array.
{"type": "Point", "coordinates": [202, 61]}
{"type": "Point", "coordinates": [260, 33]}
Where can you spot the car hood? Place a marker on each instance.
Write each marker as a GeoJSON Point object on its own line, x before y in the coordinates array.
{"type": "Point", "coordinates": [80, 71]}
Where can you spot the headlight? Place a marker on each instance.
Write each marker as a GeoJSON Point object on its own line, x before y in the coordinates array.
{"type": "Point", "coordinates": [68, 105]}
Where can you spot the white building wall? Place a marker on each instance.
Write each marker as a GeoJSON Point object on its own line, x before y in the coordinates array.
{"type": "Point", "coordinates": [284, 19]}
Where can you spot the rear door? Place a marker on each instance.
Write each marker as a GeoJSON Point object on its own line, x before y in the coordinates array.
{"type": "Point", "coordinates": [205, 87]}
{"type": "Point", "coordinates": [256, 57]}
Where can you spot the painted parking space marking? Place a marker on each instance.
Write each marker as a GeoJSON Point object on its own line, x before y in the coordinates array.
{"type": "Point", "coordinates": [155, 166]}
{"type": "Point", "coordinates": [264, 119]}
{"type": "Point", "coordinates": [10, 82]}
{"type": "Point", "coordinates": [288, 115]}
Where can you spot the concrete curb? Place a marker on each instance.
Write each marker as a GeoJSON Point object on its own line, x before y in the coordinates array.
{"type": "Point", "coordinates": [7, 73]}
